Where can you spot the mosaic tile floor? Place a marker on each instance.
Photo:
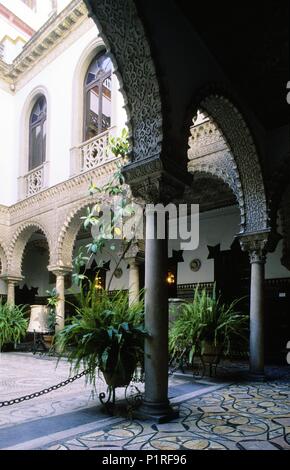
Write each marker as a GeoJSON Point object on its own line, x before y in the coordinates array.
{"type": "Point", "coordinates": [245, 417]}
{"type": "Point", "coordinates": [213, 414]}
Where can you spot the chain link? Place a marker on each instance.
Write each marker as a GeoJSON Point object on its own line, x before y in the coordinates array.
{"type": "Point", "coordinates": [44, 391]}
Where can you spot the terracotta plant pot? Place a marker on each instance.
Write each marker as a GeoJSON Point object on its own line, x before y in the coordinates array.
{"type": "Point", "coordinates": [211, 353]}
{"type": "Point", "coordinates": [48, 339]}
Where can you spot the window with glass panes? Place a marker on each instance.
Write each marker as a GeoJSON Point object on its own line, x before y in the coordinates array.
{"type": "Point", "coordinates": [98, 97]}
{"type": "Point", "coordinates": [37, 134]}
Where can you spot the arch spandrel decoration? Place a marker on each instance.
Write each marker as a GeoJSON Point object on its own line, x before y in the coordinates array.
{"type": "Point", "coordinates": [124, 35]}
{"type": "Point", "coordinates": [19, 242]}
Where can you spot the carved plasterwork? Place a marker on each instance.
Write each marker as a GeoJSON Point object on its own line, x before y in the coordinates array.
{"type": "Point", "coordinates": [124, 35]}
{"type": "Point", "coordinates": [222, 165]}
{"type": "Point", "coordinates": [256, 245]}
{"type": "Point", "coordinates": [285, 219]}
{"type": "Point", "coordinates": [3, 257]}
{"type": "Point", "coordinates": [152, 182]}
{"type": "Point", "coordinates": [241, 145]}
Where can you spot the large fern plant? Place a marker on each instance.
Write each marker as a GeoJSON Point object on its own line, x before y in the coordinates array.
{"type": "Point", "coordinates": [207, 319]}
{"type": "Point", "coordinates": [106, 333]}
{"type": "Point", "coordinates": [13, 324]}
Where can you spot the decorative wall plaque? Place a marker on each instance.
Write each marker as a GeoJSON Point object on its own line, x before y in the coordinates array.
{"type": "Point", "coordinates": [195, 265]}
{"type": "Point", "coordinates": [118, 273]}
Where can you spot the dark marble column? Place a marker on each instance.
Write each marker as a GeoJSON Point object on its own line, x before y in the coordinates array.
{"type": "Point", "coordinates": [156, 404]}
{"type": "Point", "coordinates": [255, 244]}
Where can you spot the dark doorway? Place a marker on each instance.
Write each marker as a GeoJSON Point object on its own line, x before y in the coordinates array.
{"type": "Point", "coordinates": [232, 273]}
{"type": "Point", "coordinates": [25, 296]}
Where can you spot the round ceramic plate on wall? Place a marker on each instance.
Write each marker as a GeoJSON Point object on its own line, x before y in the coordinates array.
{"type": "Point", "coordinates": [195, 265]}
{"type": "Point", "coordinates": [118, 273]}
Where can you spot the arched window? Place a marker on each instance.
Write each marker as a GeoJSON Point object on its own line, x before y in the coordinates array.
{"type": "Point", "coordinates": [37, 133]}
{"type": "Point", "coordinates": [98, 94]}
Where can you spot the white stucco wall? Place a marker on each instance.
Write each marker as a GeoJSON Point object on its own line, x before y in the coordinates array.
{"type": "Point", "coordinates": [8, 161]}
{"type": "Point", "coordinates": [217, 226]}
{"type": "Point", "coordinates": [55, 75]}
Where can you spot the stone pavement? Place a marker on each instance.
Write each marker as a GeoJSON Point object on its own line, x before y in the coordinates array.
{"type": "Point", "coordinates": [214, 414]}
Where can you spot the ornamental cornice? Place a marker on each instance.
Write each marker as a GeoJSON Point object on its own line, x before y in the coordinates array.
{"type": "Point", "coordinates": [53, 32]}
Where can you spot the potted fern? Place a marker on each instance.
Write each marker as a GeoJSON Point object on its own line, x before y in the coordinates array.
{"type": "Point", "coordinates": [52, 300]}
{"type": "Point", "coordinates": [106, 334]}
{"type": "Point", "coordinates": [13, 325]}
{"type": "Point", "coordinates": [208, 327]}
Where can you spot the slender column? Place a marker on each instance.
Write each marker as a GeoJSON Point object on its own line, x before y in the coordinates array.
{"type": "Point", "coordinates": [60, 309]}
{"type": "Point", "coordinates": [11, 292]}
{"type": "Point", "coordinates": [133, 281]}
{"type": "Point", "coordinates": [60, 273]}
{"type": "Point", "coordinates": [156, 403]}
{"type": "Point", "coordinates": [255, 244]}
{"type": "Point", "coordinates": [12, 281]}
{"type": "Point", "coordinates": [257, 260]}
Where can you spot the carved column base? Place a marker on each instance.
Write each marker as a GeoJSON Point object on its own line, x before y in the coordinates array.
{"type": "Point", "coordinates": [157, 412]}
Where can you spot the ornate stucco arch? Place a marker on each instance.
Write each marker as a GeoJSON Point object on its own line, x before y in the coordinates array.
{"type": "Point", "coordinates": [124, 36]}
{"type": "Point", "coordinates": [285, 219]}
{"type": "Point", "coordinates": [240, 141]}
{"type": "Point", "coordinates": [238, 166]}
{"type": "Point", "coordinates": [69, 231]}
{"type": "Point", "coordinates": [209, 155]}
{"type": "Point", "coordinates": [3, 257]}
{"type": "Point", "coordinates": [19, 240]}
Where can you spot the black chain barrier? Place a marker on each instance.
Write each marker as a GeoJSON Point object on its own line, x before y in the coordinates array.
{"type": "Point", "coordinates": [44, 391]}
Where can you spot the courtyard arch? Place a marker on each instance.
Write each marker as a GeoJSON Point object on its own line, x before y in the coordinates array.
{"type": "Point", "coordinates": [19, 242]}
{"type": "Point", "coordinates": [234, 158]}
{"type": "Point", "coordinates": [3, 257]}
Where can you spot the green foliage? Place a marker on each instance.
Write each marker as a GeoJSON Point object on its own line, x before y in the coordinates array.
{"type": "Point", "coordinates": [107, 230]}
{"type": "Point", "coordinates": [206, 318]}
{"type": "Point", "coordinates": [105, 332]}
{"type": "Point", "coordinates": [119, 146]}
{"type": "Point", "coordinates": [52, 300]}
{"type": "Point", "coordinates": [13, 324]}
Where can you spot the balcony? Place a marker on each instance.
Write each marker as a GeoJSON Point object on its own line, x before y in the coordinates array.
{"type": "Point", "coordinates": [92, 153]}
{"type": "Point", "coordinates": [33, 182]}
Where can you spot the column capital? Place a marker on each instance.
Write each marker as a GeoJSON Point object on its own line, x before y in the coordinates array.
{"type": "Point", "coordinates": [155, 180]}
{"type": "Point", "coordinates": [59, 270]}
{"type": "Point", "coordinates": [11, 278]}
{"type": "Point", "coordinates": [135, 252]}
{"type": "Point", "coordinates": [255, 243]}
